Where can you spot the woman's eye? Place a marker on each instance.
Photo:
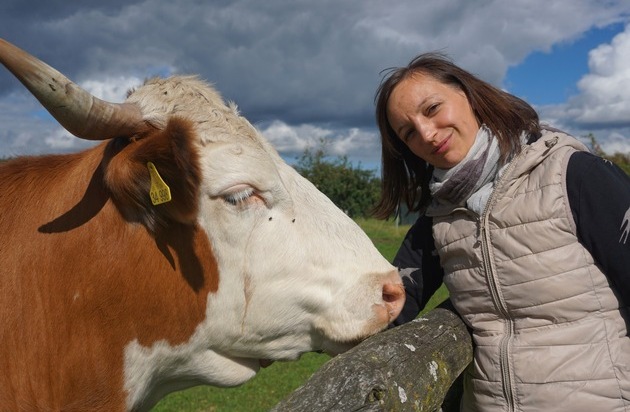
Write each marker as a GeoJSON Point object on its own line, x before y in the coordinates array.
{"type": "Point", "coordinates": [238, 197]}
{"type": "Point", "coordinates": [431, 109]}
{"type": "Point", "coordinates": [408, 135]}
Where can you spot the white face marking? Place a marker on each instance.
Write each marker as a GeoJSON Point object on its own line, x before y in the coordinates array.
{"type": "Point", "coordinates": [296, 274]}
{"type": "Point", "coordinates": [152, 373]}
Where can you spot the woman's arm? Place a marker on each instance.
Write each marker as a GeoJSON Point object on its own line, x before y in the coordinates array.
{"type": "Point", "coordinates": [599, 197]}
{"type": "Point", "coordinates": [419, 268]}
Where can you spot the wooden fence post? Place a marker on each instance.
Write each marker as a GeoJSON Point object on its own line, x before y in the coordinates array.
{"type": "Point", "coordinates": [408, 368]}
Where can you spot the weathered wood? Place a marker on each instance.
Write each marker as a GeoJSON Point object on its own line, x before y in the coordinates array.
{"type": "Point", "coordinates": [407, 368]}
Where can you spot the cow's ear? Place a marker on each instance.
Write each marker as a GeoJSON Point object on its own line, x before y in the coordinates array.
{"type": "Point", "coordinates": [169, 157]}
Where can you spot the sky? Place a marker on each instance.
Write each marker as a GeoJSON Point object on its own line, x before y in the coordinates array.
{"type": "Point", "coordinates": [306, 71]}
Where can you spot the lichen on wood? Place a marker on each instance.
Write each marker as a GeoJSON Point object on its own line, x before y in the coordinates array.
{"type": "Point", "coordinates": [407, 368]}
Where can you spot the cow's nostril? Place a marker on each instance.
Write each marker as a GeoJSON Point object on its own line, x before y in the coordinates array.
{"type": "Point", "coordinates": [392, 292]}
{"type": "Point", "coordinates": [394, 299]}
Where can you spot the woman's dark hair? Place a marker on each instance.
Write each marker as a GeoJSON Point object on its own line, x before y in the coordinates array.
{"type": "Point", "coordinates": [404, 176]}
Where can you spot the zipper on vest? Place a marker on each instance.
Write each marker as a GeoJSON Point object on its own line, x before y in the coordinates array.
{"type": "Point", "coordinates": [495, 292]}
{"type": "Point", "coordinates": [499, 303]}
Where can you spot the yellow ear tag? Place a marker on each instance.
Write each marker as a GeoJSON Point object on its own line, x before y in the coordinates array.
{"type": "Point", "coordinates": [160, 192]}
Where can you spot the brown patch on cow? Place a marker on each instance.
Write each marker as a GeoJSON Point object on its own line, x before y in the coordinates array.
{"type": "Point", "coordinates": [174, 155]}
{"type": "Point", "coordinates": [81, 275]}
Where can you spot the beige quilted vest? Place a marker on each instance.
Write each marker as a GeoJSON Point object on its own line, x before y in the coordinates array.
{"type": "Point", "coordinates": [547, 328]}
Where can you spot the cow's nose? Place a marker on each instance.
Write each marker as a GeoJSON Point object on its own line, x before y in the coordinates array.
{"type": "Point", "coordinates": [393, 295]}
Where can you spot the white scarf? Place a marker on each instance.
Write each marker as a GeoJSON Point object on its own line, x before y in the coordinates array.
{"type": "Point", "coordinates": [471, 181]}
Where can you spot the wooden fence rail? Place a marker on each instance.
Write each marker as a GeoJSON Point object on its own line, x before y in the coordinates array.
{"type": "Point", "coordinates": [413, 367]}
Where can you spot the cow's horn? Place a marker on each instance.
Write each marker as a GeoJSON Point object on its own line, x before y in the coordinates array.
{"type": "Point", "coordinates": [79, 112]}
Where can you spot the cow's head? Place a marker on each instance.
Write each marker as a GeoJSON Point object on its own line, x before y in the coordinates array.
{"type": "Point", "coordinates": [295, 273]}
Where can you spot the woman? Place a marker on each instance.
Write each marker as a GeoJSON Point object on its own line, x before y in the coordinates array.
{"type": "Point", "coordinates": [528, 231]}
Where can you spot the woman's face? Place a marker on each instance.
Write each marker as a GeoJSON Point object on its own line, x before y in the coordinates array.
{"type": "Point", "coordinates": [433, 119]}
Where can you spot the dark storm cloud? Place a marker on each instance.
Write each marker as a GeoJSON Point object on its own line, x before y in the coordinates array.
{"type": "Point", "coordinates": [302, 69]}
{"type": "Point", "coordinates": [303, 62]}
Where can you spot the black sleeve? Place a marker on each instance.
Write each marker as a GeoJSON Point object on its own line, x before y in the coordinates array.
{"type": "Point", "coordinates": [599, 197]}
{"type": "Point", "coordinates": [419, 268]}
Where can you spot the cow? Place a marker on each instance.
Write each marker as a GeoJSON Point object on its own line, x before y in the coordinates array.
{"type": "Point", "coordinates": [179, 251]}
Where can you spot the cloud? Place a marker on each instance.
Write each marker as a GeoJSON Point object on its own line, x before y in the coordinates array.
{"type": "Point", "coordinates": [604, 98]}
{"type": "Point", "coordinates": [602, 105]}
{"type": "Point", "coordinates": [302, 70]}
{"type": "Point", "coordinates": [112, 89]}
{"type": "Point", "coordinates": [362, 145]}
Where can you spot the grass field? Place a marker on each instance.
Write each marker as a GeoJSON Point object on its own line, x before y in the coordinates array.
{"type": "Point", "coordinates": [277, 381]}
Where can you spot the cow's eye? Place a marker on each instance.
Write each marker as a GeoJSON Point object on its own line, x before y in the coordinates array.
{"type": "Point", "coordinates": [236, 198]}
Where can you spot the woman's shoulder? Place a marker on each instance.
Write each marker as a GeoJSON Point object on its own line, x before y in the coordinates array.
{"type": "Point", "coordinates": [586, 169]}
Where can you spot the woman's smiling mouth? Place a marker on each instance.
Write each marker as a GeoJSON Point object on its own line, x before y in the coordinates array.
{"type": "Point", "coordinates": [442, 146]}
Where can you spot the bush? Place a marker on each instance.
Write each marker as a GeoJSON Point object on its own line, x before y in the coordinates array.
{"type": "Point", "coordinates": [620, 159]}
{"type": "Point", "coordinates": [352, 189]}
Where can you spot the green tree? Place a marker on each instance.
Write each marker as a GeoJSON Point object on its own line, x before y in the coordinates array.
{"type": "Point", "coordinates": [353, 189]}
{"type": "Point", "coordinates": [620, 159]}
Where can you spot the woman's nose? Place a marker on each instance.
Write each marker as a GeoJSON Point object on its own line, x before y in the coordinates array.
{"type": "Point", "coordinates": [425, 129]}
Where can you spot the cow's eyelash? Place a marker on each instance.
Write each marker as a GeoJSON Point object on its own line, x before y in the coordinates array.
{"type": "Point", "coordinates": [238, 197]}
